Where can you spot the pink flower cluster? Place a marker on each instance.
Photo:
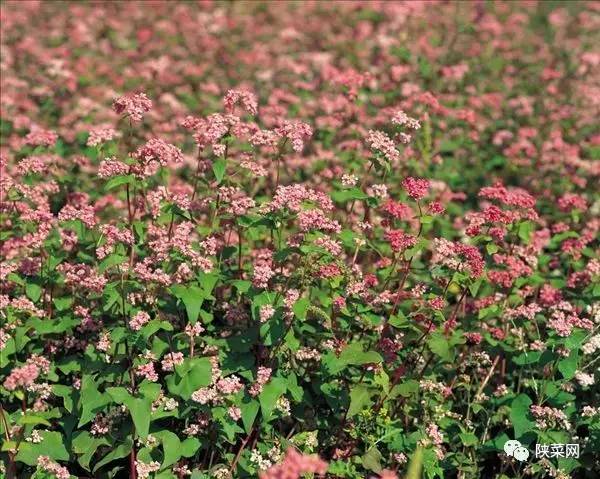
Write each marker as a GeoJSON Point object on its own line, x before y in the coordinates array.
{"type": "Point", "coordinates": [315, 219]}
{"type": "Point", "coordinates": [294, 466]}
{"type": "Point", "coordinates": [380, 142]}
{"type": "Point", "coordinates": [170, 360]}
{"type": "Point", "coordinates": [48, 465]}
{"type": "Point", "coordinates": [262, 377]}
{"type": "Point", "coordinates": [134, 105]}
{"type": "Point", "coordinates": [22, 377]}
{"type": "Point", "coordinates": [402, 119]}
{"type": "Point", "coordinates": [101, 135]}
{"type": "Point", "coordinates": [82, 276]}
{"type": "Point", "coordinates": [112, 167]}
{"type": "Point", "coordinates": [564, 318]}
{"type": "Point", "coordinates": [147, 371]}
{"type": "Point", "coordinates": [153, 154]}
{"type": "Point", "coordinates": [571, 201]}
{"type": "Point", "coordinates": [84, 213]}
{"type": "Point", "coordinates": [296, 132]}
{"type": "Point", "coordinates": [511, 197]}
{"type": "Point", "coordinates": [139, 320]}
{"type": "Point", "coordinates": [397, 210]}
{"type": "Point", "coordinates": [417, 188]}
{"type": "Point", "coordinates": [399, 240]}
{"type": "Point", "coordinates": [246, 98]}
{"type": "Point", "coordinates": [458, 256]}
{"type": "Point", "coordinates": [292, 197]}
{"type": "Point", "coordinates": [40, 137]}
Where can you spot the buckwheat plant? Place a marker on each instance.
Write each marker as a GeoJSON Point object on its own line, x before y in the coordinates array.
{"type": "Point", "coordinates": [237, 244]}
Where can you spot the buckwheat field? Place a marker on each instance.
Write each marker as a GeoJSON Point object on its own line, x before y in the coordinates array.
{"type": "Point", "coordinates": [282, 240]}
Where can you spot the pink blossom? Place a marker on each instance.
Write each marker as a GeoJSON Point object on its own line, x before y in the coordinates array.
{"type": "Point", "coordinates": [100, 135]}
{"type": "Point", "coordinates": [316, 220]}
{"type": "Point", "coordinates": [262, 377]}
{"type": "Point", "coordinates": [52, 467]}
{"type": "Point", "coordinates": [134, 105]}
{"type": "Point", "coordinates": [140, 318]}
{"type": "Point", "coordinates": [204, 395]}
{"type": "Point", "coordinates": [229, 385]}
{"type": "Point", "coordinates": [85, 213]}
{"type": "Point", "coordinates": [399, 211]}
{"type": "Point", "coordinates": [511, 197]}
{"type": "Point", "coordinates": [379, 141]}
{"type": "Point", "coordinates": [247, 99]}
{"type": "Point", "coordinates": [235, 413]}
{"type": "Point", "coordinates": [154, 153]}
{"type": "Point", "coordinates": [111, 167]}
{"type": "Point", "coordinates": [295, 131]}
{"type": "Point", "coordinates": [147, 371]}
{"type": "Point", "coordinates": [294, 466]}
{"type": "Point", "coordinates": [417, 188]}
{"type": "Point", "coordinates": [262, 274]}
{"type": "Point", "coordinates": [399, 240]}
{"type": "Point", "coordinates": [571, 201]}
{"type": "Point", "coordinates": [170, 360]}
{"type": "Point", "coordinates": [40, 137]}
{"type": "Point", "coordinates": [22, 377]}
{"type": "Point", "coordinates": [266, 312]}
{"type": "Point", "coordinates": [402, 119]}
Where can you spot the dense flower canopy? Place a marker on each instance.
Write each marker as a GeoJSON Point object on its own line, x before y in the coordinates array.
{"type": "Point", "coordinates": [299, 239]}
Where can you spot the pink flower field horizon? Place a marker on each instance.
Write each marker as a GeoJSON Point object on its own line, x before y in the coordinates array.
{"type": "Point", "coordinates": [299, 239]}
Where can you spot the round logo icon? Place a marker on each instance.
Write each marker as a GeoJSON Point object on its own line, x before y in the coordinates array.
{"type": "Point", "coordinates": [510, 446]}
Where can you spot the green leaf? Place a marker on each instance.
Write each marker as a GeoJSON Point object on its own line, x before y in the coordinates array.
{"type": "Point", "coordinates": [300, 308]}
{"type": "Point", "coordinates": [468, 438]}
{"type": "Point", "coordinates": [32, 420]}
{"type": "Point", "coordinates": [171, 447]}
{"type": "Point", "coordinates": [525, 230]}
{"type": "Point", "coordinates": [439, 345]}
{"type": "Point", "coordinates": [139, 408]}
{"type": "Point", "coordinates": [406, 388]}
{"type": "Point", "coordinates": [118, 181]}
{"type": "Point", "coordinates": [52, 445]}
{"type": "Point", "coordinates": [67, 393]}
{"type": "Point", "coordinates": [474, 287]}
{"type": "Point", "coordinates": [249, 408]}
{"type": "Point", "coordinates": [568, 366]}
{"type": "Point", "coordinates": [352, 354]}
{"type": "Point", "coordinates": [153, 326]}
{"type": "Point", "coordinates": [53, 326]}
{"type": "Point", "coordinates": [189, 447]}
{"type": "Point", "coordinates": [342, 196]}
{"type": "Point", "coordinates": [242, 286]}
{"type": "Point", "coordinates": [519, 415]}
{"type": "Point", "coordinates": [191, 375]}
{"type": "Point", "coordinates": [33, 291]}
{"type": "Point", "coordinates": [62, 304]}
{"type": "Point", "coordinates": [85, 445]}
{"type": "Point", "coordinates": [192, 297]}
{"type": "Point", "coordinates": [415, 465]}
{"type": "Point", "coordinates": [271, 392]}
{"type": "Point", "coordinates": [359, 398]}
{"type": "Point", "coordinates": [91, 400]}
{"type": "Point", "coordinates": [118, 452]}
{"type": "Point", "coordinates": [528, 357]}
{"type": "Point", "coordinates": [218, 168]}
{"type": "Point", "coordinates": [112, 260]}
{"type": "Point", "coordinates": [371, 460]}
